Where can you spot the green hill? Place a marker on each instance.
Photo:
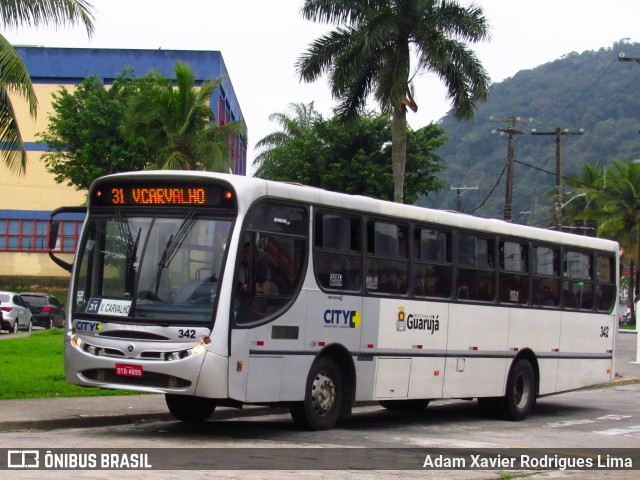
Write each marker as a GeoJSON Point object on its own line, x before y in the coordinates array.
{"type": "Point", "coordinates": [592, 90]}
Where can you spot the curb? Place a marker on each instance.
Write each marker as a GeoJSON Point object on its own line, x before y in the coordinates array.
{"type": "Point", "coordinates": [222, 413]}
{"type": "Point", "coordinates": [93, 420]}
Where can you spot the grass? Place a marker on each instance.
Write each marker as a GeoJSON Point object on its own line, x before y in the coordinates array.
{"type": "Point", "coordinates": [33, 367]}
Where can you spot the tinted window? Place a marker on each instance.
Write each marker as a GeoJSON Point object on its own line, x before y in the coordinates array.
{"type": "Point", "coordinates": [545, 266]}
{"type": "Point", "coordinates": [387, 267]}
{"type": "Point", "coordinates": [432, 269]}
{"type": "Point", "coordinates": [578, 280]}
{"type": "Point", "coordinates": [606, 287]}
{"type": "Point", "coordinates": [475, 257]}
{"type": "Point", "coordinates": [337, 256]}
{"type": "Point", "coordinates": [514, 278]}
{"type": "Point", "coordinates": [271, 262]}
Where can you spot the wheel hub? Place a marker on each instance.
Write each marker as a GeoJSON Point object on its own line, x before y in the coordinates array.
{"type": "Point", "coordinates": [323, 393]}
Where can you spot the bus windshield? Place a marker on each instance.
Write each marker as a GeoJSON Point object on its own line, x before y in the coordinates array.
{"type": "Point", "coordinates": [150, 268]}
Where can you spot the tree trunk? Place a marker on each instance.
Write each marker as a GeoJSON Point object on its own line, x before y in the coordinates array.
{"type": "Point", "coordinates": [398, 151]}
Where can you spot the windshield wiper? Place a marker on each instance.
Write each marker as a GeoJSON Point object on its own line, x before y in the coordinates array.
{"type": "Point", "coordinates": [132, 248]}
{"type": "Point", "coordinates": [173, 246]}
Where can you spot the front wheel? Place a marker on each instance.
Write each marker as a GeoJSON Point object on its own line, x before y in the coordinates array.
{"type": "Point", "coordinates": [322, 403]}
{"type": "Point", "coordinates": [190, 409]}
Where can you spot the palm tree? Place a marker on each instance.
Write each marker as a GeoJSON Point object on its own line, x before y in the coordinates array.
{"type": "Point", "coordinates": [292, 126]}
{"type": "Point", "coordinates": [371, 53]}
{"type": "Point", "coordinates": [179, 124]}
{"type": "Point", "coordinates": [286, 152]}
{"type": "Point", "coordinates": [14, 77]}
{"type": "Point", "coordinates": [615, 206]}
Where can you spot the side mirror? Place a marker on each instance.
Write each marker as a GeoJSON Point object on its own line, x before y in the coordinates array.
{"type": "Point", "coordinates": [54, 231]}
{"type": "Point", "coordinates": [53, 234]}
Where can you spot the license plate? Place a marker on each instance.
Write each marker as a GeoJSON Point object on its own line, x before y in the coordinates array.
{"type": "Point", "coordinates": [123, 370]}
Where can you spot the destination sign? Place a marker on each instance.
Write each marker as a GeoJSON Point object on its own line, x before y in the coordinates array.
{"type": "Point", "coordinates": [162, 194]}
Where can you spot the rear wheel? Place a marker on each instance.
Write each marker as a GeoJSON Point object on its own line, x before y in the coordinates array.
{"type": "Point", "coordinates": [416, 405]}
{"type": "Point", "coordinates": [322, 404]}
{"type": "Point", "coordinates": [14, 327]}
{"type": "Point", "coordinates": [190, 409]}
{"type": "Point", "coordinates": [49, 323]}
{"type": "Point", "coordinates": [521, 391]}
{"type": "Point", "coordinates": [520, 396]}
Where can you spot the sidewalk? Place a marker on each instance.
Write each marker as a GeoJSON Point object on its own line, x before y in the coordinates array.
{"type": "Point", "coordinates": [53, 413]}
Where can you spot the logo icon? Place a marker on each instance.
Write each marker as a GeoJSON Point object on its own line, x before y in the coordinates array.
{"type": "Point", "coordinates": [23, 459]}
{"type": "Point", "coordinates": [401, 325]}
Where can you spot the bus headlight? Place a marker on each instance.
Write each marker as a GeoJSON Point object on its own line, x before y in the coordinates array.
{"type": "Point", "coordinates": [198, 349]}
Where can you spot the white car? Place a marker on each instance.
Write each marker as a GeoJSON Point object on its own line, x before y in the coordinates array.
{"type": "Point", "coordinates": [15, 312]}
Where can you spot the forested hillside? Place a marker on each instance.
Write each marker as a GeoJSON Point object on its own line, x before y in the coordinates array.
{"type": "Point", "coordinates": [592, 90]}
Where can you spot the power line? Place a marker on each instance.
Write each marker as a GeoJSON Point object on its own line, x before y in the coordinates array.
{"type": "Point", "coordinates": [492, 190]}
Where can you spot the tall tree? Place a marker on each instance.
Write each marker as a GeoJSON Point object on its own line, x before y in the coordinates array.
{"type": "Point", "coordinates": [351, 158]}
{"type": "Point", "coordinates": [179, 124]}
{"type": "Point", "coordinates": [83, 136]}
{"type": "Point", "coordinates": [293, 152]}
{"type": "Point", "coordinates": [14, 77]}
{"type": "Point", "coordinates": [371, 51]}
{"type": "Point", "coordinates": [615, 206]}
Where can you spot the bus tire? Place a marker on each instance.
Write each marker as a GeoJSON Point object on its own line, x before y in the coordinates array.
{"type": "Point", "coordinates": [520, 395]}
{"type": "Point", "coordinates": [322, 404]}
{"type": "Point", "coordinates": [190, 409]}
{"type": "Point", "coordinates": [414, 405]}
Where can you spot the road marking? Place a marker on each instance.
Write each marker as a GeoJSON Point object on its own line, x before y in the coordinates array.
{"type": "Point", "coordinates": [633, 431]}
{"type": "Point", "coordinates": [586, 421]}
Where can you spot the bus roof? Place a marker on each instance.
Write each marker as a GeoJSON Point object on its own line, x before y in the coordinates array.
{"type": "Point", "coordinates": [250, 189]}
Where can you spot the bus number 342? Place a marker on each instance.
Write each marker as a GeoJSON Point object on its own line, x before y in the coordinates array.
{"type": "Point", "coordinates": [186, 334]}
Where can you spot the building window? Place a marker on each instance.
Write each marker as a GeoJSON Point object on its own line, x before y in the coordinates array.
{"type": "Point", "coordinates": [27, 235]}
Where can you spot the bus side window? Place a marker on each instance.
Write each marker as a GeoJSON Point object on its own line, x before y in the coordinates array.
{"type": "Point", "coordinates": [545, 276]}
{"type": "Point", "coordinates": [432, 271]}
{"type": "Point", "coordinates": [338, 252]}
{"type": "Point", "coordinates": [476, 273]}
{"type": "Point", "coordinates": [270, 264]}
{"type": "Point", "coordinates": [606, 289]}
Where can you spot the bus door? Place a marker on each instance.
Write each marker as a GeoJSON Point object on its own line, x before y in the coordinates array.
{"type": "Point", "coordinates": [269, 306]}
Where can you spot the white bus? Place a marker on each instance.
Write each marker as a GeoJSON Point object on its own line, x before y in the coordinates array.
{"type": "Point", "coordinates": [216, 289]}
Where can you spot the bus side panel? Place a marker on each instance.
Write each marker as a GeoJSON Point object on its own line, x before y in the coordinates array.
{"type": "Point", "coordinates": [415, 333]}
{"type": "Point", "coordinates": [477, 354]}
{"type": "Point", "coordinates": [539, 332]}
{"type": "Point", "coordinates": [239, 363]}
{"type": "Point", "coordinates": [273, 367]}
{"type": "Point", "coordinates": [584, 338]}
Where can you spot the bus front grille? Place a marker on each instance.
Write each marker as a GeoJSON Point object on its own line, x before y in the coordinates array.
{"type": "Point", "coordinates": [149, 379]}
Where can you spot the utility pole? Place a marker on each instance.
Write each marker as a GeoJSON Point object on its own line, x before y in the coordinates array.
{"type": "Point", "coordinates": [510, 131]}
{"type": "Point", "coordinates": [459, 192]}
{"type": "Point", "coordinates": [558, 133]}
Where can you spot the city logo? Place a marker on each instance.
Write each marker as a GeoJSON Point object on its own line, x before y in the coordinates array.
{"type": "Point", "coordinates": [342, 318]}
{"type": "Point", "coordinates": [417, 321]}
{"type": "Point", "coordinates": [87, 326]}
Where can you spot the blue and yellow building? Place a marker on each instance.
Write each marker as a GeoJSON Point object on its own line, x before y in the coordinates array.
{"type": "Point", "coordinates": [27, 200]}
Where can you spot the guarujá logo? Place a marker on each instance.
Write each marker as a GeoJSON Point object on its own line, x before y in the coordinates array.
{"type": "Point", "coordinates": [417, 322]}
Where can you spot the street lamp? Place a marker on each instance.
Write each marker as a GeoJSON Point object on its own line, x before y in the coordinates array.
{"type": "Point", "coordinates": [560, 206]}
{"type": "Point", "coordinates": [571, 199]}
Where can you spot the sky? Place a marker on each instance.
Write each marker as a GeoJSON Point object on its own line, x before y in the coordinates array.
{"type": "Point", "coordinates": [260, 42]}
